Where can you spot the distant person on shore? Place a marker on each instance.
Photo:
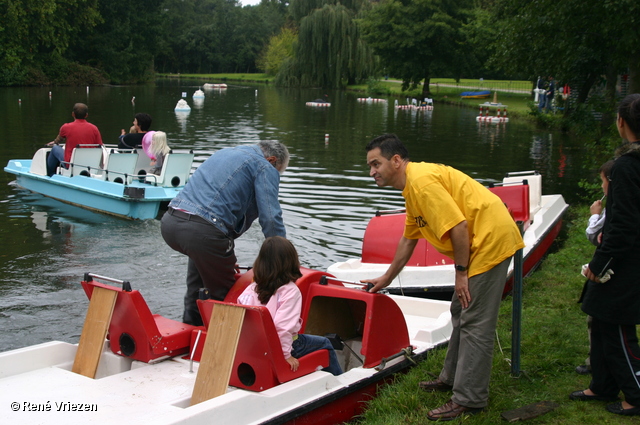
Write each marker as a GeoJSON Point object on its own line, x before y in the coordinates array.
{"type": "Point", "coordinates": [465, 221]}
{"type": "Point", "coordinates": [594, 234]}
{"type": "Point", "coordinates": [612, 292]}
{"type": "Point", "coordinates": [159, 149]}
{"type": "Point", "coordinates": [551, 91]}
{"type": "Point", "coordinates": [542, 96]}
{"type": "Point", "coordinates": [78, 132]}
{"type": "Point", "coordinates": [275, 271]}
{"type": "Point", "coordinates": [133, 140]}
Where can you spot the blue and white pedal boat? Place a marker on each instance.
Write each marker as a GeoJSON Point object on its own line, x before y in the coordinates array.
{"type": "Point", "coordinates": [106, 181]}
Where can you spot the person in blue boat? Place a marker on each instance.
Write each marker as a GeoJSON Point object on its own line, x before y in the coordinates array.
{"type": "Point", "coordinates": [465, 221]}
{"type": "Point", "coordinates": [612, 292]}
{"type": "Point", "coordinates": [223, 197]}
{"type": "Point", "coordinates": [133, 140]}
{"type": "Point", "coordinates": [275, 271]}
{"type": "Point", "coordinates": [78, 132]}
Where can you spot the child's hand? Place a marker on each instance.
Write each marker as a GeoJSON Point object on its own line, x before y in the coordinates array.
{"type": "Point", "coordinates": [596, 207]}
{"type": "Point", "coordinates": [294, 363]}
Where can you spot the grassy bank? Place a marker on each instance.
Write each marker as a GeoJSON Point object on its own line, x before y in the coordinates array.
{"type": "Point", "coordinates": [554, 342]}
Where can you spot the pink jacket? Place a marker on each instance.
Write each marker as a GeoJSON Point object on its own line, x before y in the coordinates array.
{"type": "Point", "coordinates": [285, 307]}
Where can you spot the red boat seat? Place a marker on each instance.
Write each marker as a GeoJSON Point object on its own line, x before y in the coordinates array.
{"type": "Point", "coordinates": [259, 363]}
{"type": "Point", "coordinates": [516, 198]}
{"type": "Point", "coordinates": [353, 314]}
{"type": "Point", "coordinates": [381, 240]}
{"type": "Point", "coordinates": [136, 333]}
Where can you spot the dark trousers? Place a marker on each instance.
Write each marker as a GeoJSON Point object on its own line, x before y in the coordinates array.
{"type": "Point", "coordinates": [212, 259]}
{"type": "Point", "coordinates": [615, 360]}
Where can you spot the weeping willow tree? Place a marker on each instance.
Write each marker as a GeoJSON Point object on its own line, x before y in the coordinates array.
{"type": "Point", "coordinates": [329, 52]}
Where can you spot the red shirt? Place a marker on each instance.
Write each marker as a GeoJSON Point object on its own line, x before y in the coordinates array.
{"type": "Point", "coordinates": [79, 132]}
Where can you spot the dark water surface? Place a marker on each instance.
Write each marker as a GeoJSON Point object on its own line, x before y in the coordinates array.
{"type": "Point", "coordinates": [326, 193]}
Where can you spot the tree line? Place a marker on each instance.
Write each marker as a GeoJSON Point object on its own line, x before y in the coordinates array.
{"type": "Point", "coordinates": [322, 43]}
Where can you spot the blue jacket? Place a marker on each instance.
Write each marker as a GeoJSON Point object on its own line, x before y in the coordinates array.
{"type": "Point", "coordinates": [231, 189]}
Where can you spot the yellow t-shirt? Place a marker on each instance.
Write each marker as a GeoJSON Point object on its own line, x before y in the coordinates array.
{"type": "Point", "coordinates": [438, 197]}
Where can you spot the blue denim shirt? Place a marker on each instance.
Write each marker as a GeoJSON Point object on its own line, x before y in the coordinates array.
{"type": "Point", "coordinates": [231, 189]}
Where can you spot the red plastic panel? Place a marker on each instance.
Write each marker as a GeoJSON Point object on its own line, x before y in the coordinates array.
{"type": "Point", "coordinates": [384, 330]}
{"type": "Point", "coordinates": [136, 333]}
{"type": "Point", "coordinates": [259, 363]}
{"type": "Point", "coordinates": [381, 241]}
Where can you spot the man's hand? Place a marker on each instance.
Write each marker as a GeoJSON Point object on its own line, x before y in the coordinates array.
{"type": "Point", "coordinates": [378, 283]}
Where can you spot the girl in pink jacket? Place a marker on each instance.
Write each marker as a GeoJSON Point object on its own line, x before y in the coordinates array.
{"type": "Point", "coordinates": [275, 270]}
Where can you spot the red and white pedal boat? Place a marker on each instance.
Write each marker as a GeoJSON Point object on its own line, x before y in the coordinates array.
{"type": "Point", "coordinates": [430, 274]}
{"type": "Point", "coordinates": [151, 369]}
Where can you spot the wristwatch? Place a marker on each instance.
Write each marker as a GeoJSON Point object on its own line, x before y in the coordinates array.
{"type": "Point", "coordinates": [461, 268]}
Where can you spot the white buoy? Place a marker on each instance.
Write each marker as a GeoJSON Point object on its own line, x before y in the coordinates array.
{"type": "Point", "coordinates": [19, 101]}
{"type": "Point", "coordinates": [133, 100]}
{"type": "Point", "coordinates": [256, 92]}
{"type": "Point", "coordinates": [49, 94]}
{"type": "Point", "coordinates": [87, 89]}
{"type": "Point", "coordinates": [326, 139]}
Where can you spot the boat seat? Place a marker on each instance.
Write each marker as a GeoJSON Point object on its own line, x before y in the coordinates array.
{"type": "Point", "coordinates": [516, 198]}
{"type": "Point", "coordinates": [85, 160]}
{"type": "Point", "coordinates": [142, 165]}
{"type": "Point", "coordinates": [136, 333]}
{"type": "Point", "coordinates": [120, 166]}
{"type": "Point", "coordinates": [381, 239]}
{"type": "Point", "coordinates": [354, 313]}
{"type": "Point", "coordinates": [175, 172]}
{"type": "Point", "coordinates": [259, 363]}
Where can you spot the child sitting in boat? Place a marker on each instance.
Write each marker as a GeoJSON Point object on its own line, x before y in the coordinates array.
{"type": "Point", "coordinates": [275, 270]}
{"type": "Point", "coordinates": [159, 149]}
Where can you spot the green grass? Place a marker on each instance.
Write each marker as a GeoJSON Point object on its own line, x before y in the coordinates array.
{"type": "Point", "coordinates": [215, 78]}
{"type": "Point", "coordinates": [554, 341]}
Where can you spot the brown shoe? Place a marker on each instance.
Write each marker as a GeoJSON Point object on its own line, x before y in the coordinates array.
{"type": "Point", "coordinates": [436, 385]}
{"type": "Point", "coordinates": [450, 411]}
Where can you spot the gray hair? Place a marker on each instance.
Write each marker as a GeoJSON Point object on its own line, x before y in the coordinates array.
{"type": "Point", "coordinates": [277, 149]}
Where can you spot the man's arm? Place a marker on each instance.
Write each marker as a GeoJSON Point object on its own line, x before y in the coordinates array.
{"type": "Point", "coordinates": [267, 184]}
{"type": "Point", "coordinates": [402, 256]}
{"type": "Point", "coordinates": [459, 235]}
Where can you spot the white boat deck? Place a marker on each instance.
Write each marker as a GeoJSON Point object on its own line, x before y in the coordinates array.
{"type": "Point", "coordinates": [37, 385]}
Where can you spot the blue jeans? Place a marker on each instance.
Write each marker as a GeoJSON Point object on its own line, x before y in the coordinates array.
{"type": "Point", "coordinates": [306, 344]}
{"type": "Point", "coordinates": [543, 101]}
{"type": "Point", "coordinates": [56, 156]}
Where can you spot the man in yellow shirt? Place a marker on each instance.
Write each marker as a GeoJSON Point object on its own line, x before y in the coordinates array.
{"type": "Point", "coordinates": [464, 220]}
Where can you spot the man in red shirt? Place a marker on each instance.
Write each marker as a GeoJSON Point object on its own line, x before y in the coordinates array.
{"type": "Point", "coordinates": [75, 133]}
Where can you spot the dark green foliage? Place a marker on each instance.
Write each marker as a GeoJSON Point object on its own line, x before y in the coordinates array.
{"type": "Point", "coordinates": [419, 39]}
{"type": "Point", "coordinates": [330, 51]}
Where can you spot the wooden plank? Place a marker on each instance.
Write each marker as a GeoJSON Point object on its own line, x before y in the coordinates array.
{"type": "Point", "coordinates": [94, 331]}
{"type": "Point", "coordinates": [530, 411]}
{"type": "Point", "coordinates": [219, 352]}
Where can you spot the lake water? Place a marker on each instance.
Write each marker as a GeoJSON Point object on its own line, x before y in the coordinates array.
{"type": "Point", "coordinates": [326, 193]}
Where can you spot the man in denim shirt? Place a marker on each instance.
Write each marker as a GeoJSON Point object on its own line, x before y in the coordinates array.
{"type": "Point", "coordinates": [220, 201]}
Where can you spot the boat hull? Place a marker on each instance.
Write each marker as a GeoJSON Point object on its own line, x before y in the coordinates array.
{"type": "Point", "coordinates": [137, 201]}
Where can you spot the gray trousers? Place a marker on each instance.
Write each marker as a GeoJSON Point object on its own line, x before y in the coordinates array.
{"type": "Point", "coordinates": [211, 264]}
{"type": "Point", "coordinates": [467, 366]}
